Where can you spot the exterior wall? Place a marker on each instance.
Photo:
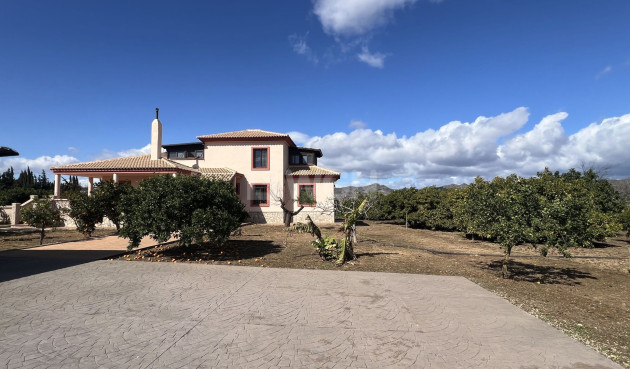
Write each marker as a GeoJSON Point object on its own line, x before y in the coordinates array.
{"type": "Point", "coordinates": [324, 195]}
{"type": "Point", "coordinates": [238, 156]}
{"type": "Point", "coordinates": [9, 211]}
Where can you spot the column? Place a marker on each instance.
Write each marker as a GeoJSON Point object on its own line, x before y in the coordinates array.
{"type": "Point", "coordinates": [15, 208]}
{"type": "Point", "coordinates": [115, 178]}
{"type": "Point", "coordinates": [90, 185]}
{"type": "Point", "coordinates": [57, 193]}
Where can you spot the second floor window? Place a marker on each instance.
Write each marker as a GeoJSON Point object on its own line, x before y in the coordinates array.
{"type": "Point", "coordinates": [260, 159]}
{"type": "Point", "coordinates": [295, 159]}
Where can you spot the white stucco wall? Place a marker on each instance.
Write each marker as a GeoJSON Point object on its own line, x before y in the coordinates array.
{"type": "Point", "coordinates": [324, 195]}
{"type": "Point", "coordinates": [238, 156]}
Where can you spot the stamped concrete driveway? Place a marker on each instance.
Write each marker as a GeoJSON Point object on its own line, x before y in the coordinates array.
{"type": "Point", "coordinates": [116, 314]}
{"type": "Point", "coordinates": [25, 262]}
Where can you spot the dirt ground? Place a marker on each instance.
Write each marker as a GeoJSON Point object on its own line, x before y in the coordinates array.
{"type": "Point", "coordinates": [12, 238]}
{"type": "Point", "coordinates": [587, 296]}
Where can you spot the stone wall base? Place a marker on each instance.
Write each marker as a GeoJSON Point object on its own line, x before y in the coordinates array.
{"type": "Point", "coordinates": [278, 217]}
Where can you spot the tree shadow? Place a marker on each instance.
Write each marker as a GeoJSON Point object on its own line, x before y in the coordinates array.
{"type": "Point", "coordinates": [539, 273]}
{"type": "Point", "coordinates": [373, 254]}
{"type": "Point", "coordinates": [233, 250]}
{"type": "Point", "coordinates": [16, 264]}
{"type": "Point", "coordinates": [603, 245]}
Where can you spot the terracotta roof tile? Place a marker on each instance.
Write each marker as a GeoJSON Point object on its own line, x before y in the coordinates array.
{"type": "Point", "coordinates": [310, 170]}
{"type": "Point", "coordinates": [247, 133]}
{"type": "Point", "coordinates": [223, 174]}
{"type": "Point", "coordinates": [139, 163]}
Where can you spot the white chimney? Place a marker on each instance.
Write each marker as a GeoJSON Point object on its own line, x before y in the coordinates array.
{"type": "Point", "coordinates": [156, 137]}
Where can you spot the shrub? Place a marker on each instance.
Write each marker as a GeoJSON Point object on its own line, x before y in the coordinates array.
{"type": "Point", "coordinates": [193, 209]}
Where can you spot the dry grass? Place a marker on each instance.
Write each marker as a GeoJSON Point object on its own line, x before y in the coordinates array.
{"type": "Point", "coordinates": [12, 239]}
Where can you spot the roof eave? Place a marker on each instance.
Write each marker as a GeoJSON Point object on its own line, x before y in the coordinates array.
{"type": "Point", "coordinates": [286, 139]}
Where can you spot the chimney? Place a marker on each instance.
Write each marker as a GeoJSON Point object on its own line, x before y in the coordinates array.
{"type": "Point", "coordinates": [156, 137]}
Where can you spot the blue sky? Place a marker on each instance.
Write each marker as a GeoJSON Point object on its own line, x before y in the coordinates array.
{"type": "Point", "coordinates": [403, 92]}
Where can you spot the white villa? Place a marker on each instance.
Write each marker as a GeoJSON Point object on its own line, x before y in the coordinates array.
{"type": "Point", "coordinates": [262, 166]}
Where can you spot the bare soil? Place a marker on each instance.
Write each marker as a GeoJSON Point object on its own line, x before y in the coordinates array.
{"type": "Point", "coordinates": [21, 238]}
{"type": "Point", "coordinates": [587, 296]}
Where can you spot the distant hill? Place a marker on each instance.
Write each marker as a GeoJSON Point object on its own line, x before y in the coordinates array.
{"type": "Point", "coordinates": [341, 192]}
{"type": "Point", "coordinates": [350, 191]}
{"type": "Point", "coordinates": [622, 186]}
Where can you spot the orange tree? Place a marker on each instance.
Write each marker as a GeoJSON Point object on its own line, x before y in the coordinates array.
{"type": "Point", "coordinates": [44, 214]}
{"type": "Point", "coordinates": [191, 208]}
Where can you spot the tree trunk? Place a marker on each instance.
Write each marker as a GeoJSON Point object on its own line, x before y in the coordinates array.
{"type": "Point", "coordinates": [288, 218]}
{"type": "Point", "coordinates": [288, 215]}
{"type": "Point", "coordinates": [350, 238]}
{"type": "Point", "coordinates": [506, 261]}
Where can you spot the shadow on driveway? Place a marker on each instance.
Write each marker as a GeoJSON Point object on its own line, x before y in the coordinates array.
{"type": "Point", "coordinates": [23, 263]}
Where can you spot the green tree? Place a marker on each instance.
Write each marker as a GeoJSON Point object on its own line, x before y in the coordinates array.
{"type": "Point", "coordinates": [71, 186]}
{"type": "Point", "coordinates": [110, 195]}
{"type": "Point", "coordinates": [43, 214]}
{"type": "Point", "coordinates": [7, 179]}
{"type": "Point", "coordinates": [434, 208]}
{"type": "Point", "coordinates": [193, 209]}
{"type": "Point", "coordinates": [86, 211]}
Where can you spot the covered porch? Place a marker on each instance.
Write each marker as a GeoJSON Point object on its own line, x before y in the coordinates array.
{"type": "Point", "coordinates": [130, 170]}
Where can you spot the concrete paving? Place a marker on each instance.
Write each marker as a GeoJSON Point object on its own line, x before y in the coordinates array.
{"type": "Point", "coordinates": [116, 314]}
{"type": "Point", "coordinates": [25, 262]}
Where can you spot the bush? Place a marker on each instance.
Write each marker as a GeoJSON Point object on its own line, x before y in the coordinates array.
{"type": "Point", "coordinates": [20, 195]}
{"type": "Point", "coordinates": [193, 209]}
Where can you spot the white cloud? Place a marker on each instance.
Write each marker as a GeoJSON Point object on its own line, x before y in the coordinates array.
{"type": "Point", "coordinates": [298, 137]}
{"type": "Point", "coordinates": [352, 23]}
{"type": "Point", "coordinates": [459, 151]}
{"type": "Point", "coordinates": [108, 154]}
{"type": "Point", "coordinates": [376, 60]}
{"type": "Point", "coordinates": [300, 47]}
{"type": "Point", "coordinates": [37, 164]}
{"type": "Point", "coordinates": [357, 124]}
{"type": "Point", "coordinates": [73, 150]}
{"type": "Point", "coordinates": [355, 17]}
{"type": "Point", "coordinates": [603, 72]}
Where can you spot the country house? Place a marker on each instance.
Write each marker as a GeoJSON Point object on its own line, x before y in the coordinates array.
{"type": "Point", "coordinates": [263, 167]}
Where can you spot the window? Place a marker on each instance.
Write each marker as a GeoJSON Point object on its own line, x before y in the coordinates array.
{"type": "Point", "coordinates": [260, 158]}
{"type": "Point", "coordinates": [307, 158]}
{"type": "Point", "coordinates": [186, 154]}
{"type": "Point", "coordinates": [307, 191]}
{"type": "Point", "coordinates": [238, 188]}
{"type": "Point", "coordinates": [260, 195]}
{"type": "Point", "coordinates": [295, 159]}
